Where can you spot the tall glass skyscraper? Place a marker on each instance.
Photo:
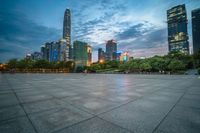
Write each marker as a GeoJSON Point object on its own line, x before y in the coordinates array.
{"type": "Point", "coordinates": [101, 55]}
{"type": "Point", "coordinates": [82, 53]}
{"type": "Point", "coordinates": [196, 30]}
{"type": "Point", "coordinates": [111, 49]}
{"type": "Point", "coordinates": [67, 26]}
{"type": "Point", "coordinates": [177, 29]}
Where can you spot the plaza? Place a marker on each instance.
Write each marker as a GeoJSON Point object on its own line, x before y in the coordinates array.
{"type": "Point", "coordinates": [99, 103]}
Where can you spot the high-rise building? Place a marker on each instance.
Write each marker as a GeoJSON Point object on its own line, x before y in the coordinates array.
{"type": "Point", "coordinates": [101, 55]}
{"type": "Point", "coordinates": [47, 51]}
{"type": "Point", "coordinates": [89, 57]}
{"type": "Point", "coordinates": [111, 49]}
{"type": "Point", "coordinates": [64, 50]}
{"type": "Point", "coordinates": [36, 56]}
{"type": "Point", "coordinates": [67, 27]}
{"type": "Point", "coordinates": [177, 29]}
{"type": "Point", "coordinates": [196, 30]}
{"type": "Point", "coordinates": [82, 53]}
{"type": "Point", "coordinates": [42, 50]}
{"type": "Point", "coordinates": [55, 51]}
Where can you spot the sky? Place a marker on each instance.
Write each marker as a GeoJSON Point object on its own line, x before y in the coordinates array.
{"type": "Point", "coordinates": [138, 26]}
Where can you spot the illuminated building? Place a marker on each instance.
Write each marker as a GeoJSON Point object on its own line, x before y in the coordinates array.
{"type": "Point", "coordinates": [124, 57]}
{"type": "Point", "coordinates": [56, 51]}
{"type": "Point", "coordinates": [101, 55]}
{"type": "Point", "coordinates": [64, 50]}
{"type": "Point", "coordinates": [89, 53]}
{"type": "Point", "coordinates": [46, 51]}
{"type": "Point", "coordinates": [82, 54]}
{"type": "Point", "coordinates": [117, 55]}
{"type": "Point", "coordinates": [67, 26]}
{"type": "Point", "coordinates": [177, 29]}
{"type": "Point", "coordinates": [196, 29]}
{"type": "Point", "coordinates": [28, 57]}
{"type": "Point", "coordinates": [111, 48]}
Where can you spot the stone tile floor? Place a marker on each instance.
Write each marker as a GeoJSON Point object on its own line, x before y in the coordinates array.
{"type": "Point", "coordinates": [99, 103]}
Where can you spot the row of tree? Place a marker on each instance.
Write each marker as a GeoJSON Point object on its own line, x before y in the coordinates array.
{"type": "Point", "coordinates": [38, 64]}
{"type": "Point", "coordinates": [173, 62]}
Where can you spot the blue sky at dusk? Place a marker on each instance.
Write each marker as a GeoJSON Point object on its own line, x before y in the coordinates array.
{"type": "Point", "coordinates": [138, 26]}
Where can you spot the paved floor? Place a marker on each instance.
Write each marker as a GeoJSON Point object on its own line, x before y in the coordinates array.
{"type": "Point", "coordinates": [80, 103]}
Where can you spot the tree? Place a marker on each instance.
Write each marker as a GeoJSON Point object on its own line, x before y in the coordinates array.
{"type": "Point", "coordinates": [41, 64]}
{"type": "Point", "coordinates": [22, 64]}
{"type": "Point", "coordinates": [134, 65]}
{"type": "Point", "coordinates": [12, 63]}
{"type": "Point", "coordinates": [145, 66]}
{"type": "Point", "coordinates": [94, 67]}
{"type": "Point", "coordinates": [176, 65]}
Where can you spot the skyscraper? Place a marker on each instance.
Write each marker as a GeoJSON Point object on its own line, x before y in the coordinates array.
{"type": "Point", "coordinates": [177, 29]}
{"type": "Point", "coordinates": [111, 49]}
{"type": "Point", "coordinates": [101, 55]}
{"type": "Point", "coordinates": [89, 55]}
{"type": "Point", "coordinates": [82, 53]}
{"type": "Point", "coordinates": [196, 29]}
{"type": "Point", "coordinates": [67, 26]}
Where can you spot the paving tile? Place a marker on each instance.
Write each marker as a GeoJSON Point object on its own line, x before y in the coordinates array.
{"type": "Point", "coordinates": [8, 100]}
{"type": "Point", "coordinates": [44, 105]}
{"type": "Point", "coordinates": [91, 104]}
{"type": "Point", "coordinates": [17, 125]}
{"type": "Point", "coordinates": [56, 119]}
{"type": "Point", "coordinates": [11, 112]}
{"type": "Point", "coordinates": [33, 98]}
{"type": "Point", "coordinates": [94, 125]}
{"type": "Point", "coordinates": [181, 120]}
{"type": "Point", "coordinates": [140, 116]}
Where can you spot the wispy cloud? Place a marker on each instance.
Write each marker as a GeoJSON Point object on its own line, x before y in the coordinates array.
{"type": "Point", "coordinates": [19, 35]}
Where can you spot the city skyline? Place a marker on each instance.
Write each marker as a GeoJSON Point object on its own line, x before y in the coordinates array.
{"type": "Point", "coordinates": [139, 33]}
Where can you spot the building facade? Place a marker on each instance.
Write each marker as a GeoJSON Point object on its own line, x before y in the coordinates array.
{"type": "Point", "coordinates": [89, 55]}
{"type": "Point", "coordinates": [177, 29]}
{"type": "Point", "coordinates": [82, 54]}
{"type": "Point", "coordinates": [36, 56]}
{"type": "Point", "coordinates": [67, 27]}
{"type": "Point", "coordinates": [111, 49]}
{"type": "Point", "coordinates": [101, 55]}
{"type": "Point", "coordinates": [196, 30]}
{"type": "Point", "coordinates": [56, 51]}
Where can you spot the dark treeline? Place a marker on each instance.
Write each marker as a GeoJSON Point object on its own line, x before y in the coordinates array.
{"type": "Point", "coordinates": [174, 62]}
{"type": "Point", "coordinates": [37, 65]}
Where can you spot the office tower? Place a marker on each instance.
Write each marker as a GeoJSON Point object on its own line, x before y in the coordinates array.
{"type": "Point", "coordinates": [82, 54]}
{"type": "Point", "coordinates": [89, 53]}
{"type": "Point", "coordinates": [177, 29]}
{"type": "Point", "coordinates": [67, 26]}
{"type": "Point", "coordinates": [54, 52]}
{"type": "Point", "coordinates": [101, 55]}
{"type": "Point", "coordinates": [111, 49]}
{"type": "Point", "coordinates": [64, 50]}
{"type": "Point", "coordinates": [196, 30]}
{"type": "Point", "coordinates": [36, 56]}
{"type": "Point", "coordinates": [42, 50]}
{"type": "Point", "coordinates": [47, 51]}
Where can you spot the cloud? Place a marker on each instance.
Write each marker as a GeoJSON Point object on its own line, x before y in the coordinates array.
{"type": "Point", "coordinates": [19, 35]}
{"type": "Point", "coordinates": [153, 42]}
